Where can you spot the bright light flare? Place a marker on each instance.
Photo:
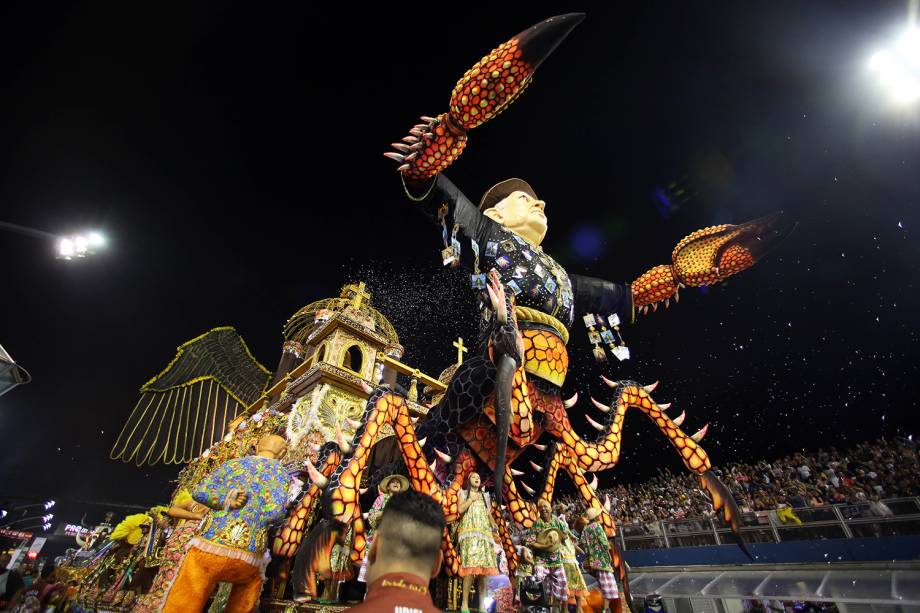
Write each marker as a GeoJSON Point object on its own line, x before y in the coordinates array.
{"type": "Point", "coordinates": [50, 504]}
{"type": "Point", "coordinates": [897, 68]}
{"type": "Point", "coordinates": [80, 245]}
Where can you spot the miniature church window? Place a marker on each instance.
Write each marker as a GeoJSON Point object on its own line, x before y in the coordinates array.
{"type": "Point", "coordinates": [353, 359]}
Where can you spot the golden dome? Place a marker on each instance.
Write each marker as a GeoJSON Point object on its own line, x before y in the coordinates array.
{"type": "Point", "coordinates": [354, 302]}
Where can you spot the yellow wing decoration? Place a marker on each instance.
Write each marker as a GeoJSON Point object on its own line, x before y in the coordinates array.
{"type": "Point", "coordinates": [186, 408]}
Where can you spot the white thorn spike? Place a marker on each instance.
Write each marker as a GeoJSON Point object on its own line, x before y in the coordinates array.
{"type": "Point", "coordinates": [608, 382]}
{"type": "Point", "coordinates": [433, 466]}
{"type": "Point", "coordinates": [607, 502]}
{"type": "Point", "coordinates": [528, 489]}
{"type": "Point", "coordinates": [366, 387]}
{"type": "Point", "coordinates": [536, 466]}
{"type": "Point", "coordinates": [664, 406]}
{"type": "Point", "coordinates": [414, 420]}
{"type": "Point", "coordinates": [700, 434]}
{"type": "Point", "coordinates": [444, 457]}
{"type": "Point", "coordinates": [594, 424]}
{"type": "Point", "coordinates": [344, 445]}
{"type": "Point", "coordinates": [667, 302]}
{"type": "Point", "coordinates": [422, 441]}
{"type": "Point", "coordinates": [315, 447]}
{"type": "Point", "coordinates": [680, 418]}
{"type": "Point", "coordinates": [539, 447]}
{"type": "Point", "coordinates": [353, 423]}
{"type": "Point", "coordinates": [318, 479]}
{"type": "Point", "coordinates": [571, 401]}
{"type": "Point", "coordinates": [600, 405]}
{"type": "Point", "coordinates": [654, 307]}
{"type": "Point", "coordinates": [516, 473]}
{"type": "Point", "coordinates": [650, 387]}
{"type": "Point", "coordinates": [362, 491]}
{"type": "Point", "coordinates": [593, 483]}
{"type": "Point", "coordinates": [676, 296]}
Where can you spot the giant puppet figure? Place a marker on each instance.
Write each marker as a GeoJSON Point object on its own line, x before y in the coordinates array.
{"type": "Point", "coordinates": [507, 396]}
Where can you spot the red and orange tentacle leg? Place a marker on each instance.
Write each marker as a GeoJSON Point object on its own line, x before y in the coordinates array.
{"type": "Point", "coordinates": [288, 538]}
{"type": "Point", "coordinates": [605, 452]}
{"type": "Point", "coordinates": [695, 459]}
{"type": "Point", "coordinates": [595, 456]}
{"type": "Point", "coordinates": [343, 499]}
{"type": "Point", "coordinates": [359, 541]}
{"type": "Point", "coordinates": [522, 429]}
{"type": "Point", "coordinates": [420, 474]}
{"type": "Point", "coordinates": [464, 464]}
{"type": "Point", "coordinates": [523, 512]}
{"type": "Point", "coordinates": [504, 535]}
{"type": "Point", "coordinates": [559, 459]}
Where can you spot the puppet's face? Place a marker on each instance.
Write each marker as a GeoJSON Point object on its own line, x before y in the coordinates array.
{"type": "Point", "coordinates": [522, 214]}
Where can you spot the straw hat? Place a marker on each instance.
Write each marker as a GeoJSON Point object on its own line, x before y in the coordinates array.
{"type": "Point", "coordinates": [592, 513]}
{"type": "Point", "coordinates": [550, 539]}
{"type": "Point", "coordinates": [384, 485]}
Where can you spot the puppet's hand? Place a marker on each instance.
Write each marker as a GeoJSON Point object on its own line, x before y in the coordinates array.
{"type": "Point", "coordinates": [709, 256]}
{"type": "Point", "coordinates": [429, 148]}
{"type": "Point", "coordinates": [483, 92]}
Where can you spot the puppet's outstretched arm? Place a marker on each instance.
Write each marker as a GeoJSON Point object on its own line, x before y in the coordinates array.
{"type": "Point", "coordinates": [484, 91]}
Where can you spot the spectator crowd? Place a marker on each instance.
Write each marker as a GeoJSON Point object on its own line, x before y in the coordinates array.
{"type": "Point", "coordinates": [868, 472]}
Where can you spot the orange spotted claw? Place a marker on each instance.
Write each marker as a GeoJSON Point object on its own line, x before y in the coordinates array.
{"type": "Point", "coordinates": [484, 91]}
{"type": "Point", "coordinates": [709, 256]}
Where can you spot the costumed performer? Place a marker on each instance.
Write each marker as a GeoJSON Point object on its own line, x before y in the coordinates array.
{"type": "Point", "coordinates": [389, 485]}
{"type": "Point", "coordinates": [524, 568]}
{"type": "Point", "coordinates": [141, 533]}
{"type": "Point", "coordinates": [188, 514]}
{"type": "Point", "coordinates": [475, 541]}
{"type": "Point", "coordinates": [576, 587]}
{"type": "Point", "coordinates": [246, 495]}
{"type": "Point", "coordinates": [597, 557]}
{"type": "Point", "coordinates": [547, 552]}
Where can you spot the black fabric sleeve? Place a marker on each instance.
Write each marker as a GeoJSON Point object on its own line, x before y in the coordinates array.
{"type": "Point", "coordinates": [440, 190]}
{"type": "Point", "coordinates": [593, 295]}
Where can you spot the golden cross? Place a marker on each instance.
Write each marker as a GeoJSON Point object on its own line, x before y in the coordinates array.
{"type": "Point", "coordinates": [359, 295]}
{"type": "Point", "coordinates": [460, 349]}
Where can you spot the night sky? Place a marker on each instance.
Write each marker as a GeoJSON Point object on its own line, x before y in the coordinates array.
{"type": "Point", "coordinates": [234, 158]}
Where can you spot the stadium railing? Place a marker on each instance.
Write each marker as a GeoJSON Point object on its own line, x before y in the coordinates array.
{"type": "Point", "coordinates": [837, 521]}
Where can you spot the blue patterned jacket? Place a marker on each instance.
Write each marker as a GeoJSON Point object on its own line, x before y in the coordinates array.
{"type": "Point", "coordinates": [265, 480]}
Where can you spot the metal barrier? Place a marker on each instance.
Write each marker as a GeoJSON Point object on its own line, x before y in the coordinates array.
{"type": "Point", "coordinates": [864, 519]}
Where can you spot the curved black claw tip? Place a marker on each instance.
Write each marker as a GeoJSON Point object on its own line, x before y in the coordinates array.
{"type": "Point", "coordinates": [538, 41]}
{"type": "Point", "coordinates": [722, 500]}
{"type": "Point", "coordinates": [761, 235]}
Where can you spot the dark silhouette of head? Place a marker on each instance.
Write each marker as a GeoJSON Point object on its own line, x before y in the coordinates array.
{"type": "Point", "coordinates": [408, 538]}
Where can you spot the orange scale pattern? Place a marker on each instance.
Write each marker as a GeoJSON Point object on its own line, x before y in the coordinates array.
{"type": "Point", "coordinates": [288, 538]}
{"type": "Point", "coordinates": [545, 355]}
{"type": "Point", "coordinates": [654, 285]}
{"type": "Point", "coordinates": [486, 89]}
{"type": "Point", "coordinates": [522, 429]}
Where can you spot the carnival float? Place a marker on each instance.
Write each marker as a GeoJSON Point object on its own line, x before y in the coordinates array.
{"type": "Point", "coordinates": [353, 413]}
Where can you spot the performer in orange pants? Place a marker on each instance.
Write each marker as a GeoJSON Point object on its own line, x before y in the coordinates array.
{"type": "Point", "coordinates": [202, 571]}
{"type": "Point", "coordinates": [246, 496]}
